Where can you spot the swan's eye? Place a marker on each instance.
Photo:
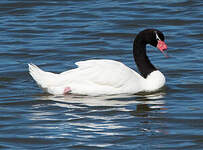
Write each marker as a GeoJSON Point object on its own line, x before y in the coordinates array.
{"type": "Point", "coordinates": [157, 37]}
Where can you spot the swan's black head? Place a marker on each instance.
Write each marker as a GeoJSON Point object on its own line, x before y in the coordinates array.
{"type": "Point", "coordinates": [153, 37]}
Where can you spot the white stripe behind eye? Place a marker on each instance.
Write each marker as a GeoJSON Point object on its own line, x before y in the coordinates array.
{"type": "Point", "coordinates": [157, 37]}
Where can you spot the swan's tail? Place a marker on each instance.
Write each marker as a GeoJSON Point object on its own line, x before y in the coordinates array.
{"type": "Point", "coordinates": [43, 79]}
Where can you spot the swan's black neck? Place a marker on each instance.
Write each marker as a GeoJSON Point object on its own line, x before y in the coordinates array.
{"type": "Point", "coordinates": [139, 51]}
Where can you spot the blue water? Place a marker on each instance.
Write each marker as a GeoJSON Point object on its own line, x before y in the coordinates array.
{"type": "Point", "coordinates": [56, 34]}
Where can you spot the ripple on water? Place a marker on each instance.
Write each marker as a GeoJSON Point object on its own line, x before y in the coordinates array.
{"type": "Point", "coordinates": [56, 34]}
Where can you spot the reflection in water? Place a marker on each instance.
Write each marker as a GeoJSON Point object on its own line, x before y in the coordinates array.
{"type": "Point", "coordinates": [106, 115]}
{"type": "Point", "coordinates": [114, 100]}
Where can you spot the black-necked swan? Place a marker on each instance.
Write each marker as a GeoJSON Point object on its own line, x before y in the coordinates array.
{"type": "Point", "coordinates": [107, 77]}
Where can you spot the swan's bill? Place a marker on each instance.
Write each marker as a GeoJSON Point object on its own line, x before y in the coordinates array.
{"type": "Point", "coordinates": [162, 47]}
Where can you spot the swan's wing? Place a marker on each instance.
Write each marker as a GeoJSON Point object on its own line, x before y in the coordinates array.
{"type": "Point", "coordinates": [102, 73]}
{"type": "Point", "coordinates": [91, 77]}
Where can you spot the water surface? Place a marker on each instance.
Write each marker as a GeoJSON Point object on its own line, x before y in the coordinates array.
{"type": "Point", "coordinates": [56, 34]}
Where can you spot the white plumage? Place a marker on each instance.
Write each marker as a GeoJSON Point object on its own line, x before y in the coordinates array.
{"type": "Point", "coordinates": [97, 77]}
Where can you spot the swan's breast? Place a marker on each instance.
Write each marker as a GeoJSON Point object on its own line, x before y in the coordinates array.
{"type": "Point", "coordinates": [154, 81]}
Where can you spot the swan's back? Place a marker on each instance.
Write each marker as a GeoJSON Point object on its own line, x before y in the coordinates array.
{"type": "Point", "coordinates": [92, 77]}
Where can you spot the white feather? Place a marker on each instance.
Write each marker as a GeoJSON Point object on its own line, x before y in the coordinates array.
{"type": "Point", "coordinates": [97, 77]}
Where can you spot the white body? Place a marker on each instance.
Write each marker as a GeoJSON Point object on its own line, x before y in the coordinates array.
{"type": "Point", "coordinates": [97, 77]}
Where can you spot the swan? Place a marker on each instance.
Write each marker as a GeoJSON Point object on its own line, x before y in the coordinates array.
{"type": "Point", "coordinates": [107, 77]}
